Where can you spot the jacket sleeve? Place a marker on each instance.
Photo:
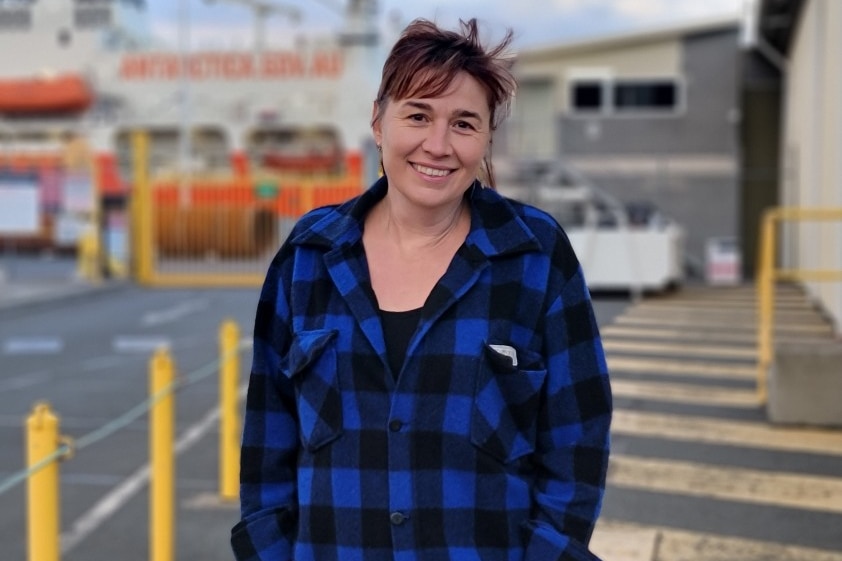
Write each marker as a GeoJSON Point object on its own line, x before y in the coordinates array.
{"type": "Point", "coordinates": [573, 432]}
{"type": "Point", "coordinates": [268, 502]}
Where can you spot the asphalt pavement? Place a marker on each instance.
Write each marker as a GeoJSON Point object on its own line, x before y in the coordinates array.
{"type": "Point", "coordinates": [697, 472]}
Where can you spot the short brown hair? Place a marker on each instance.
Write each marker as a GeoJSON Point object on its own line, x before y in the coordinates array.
{"type": "Point", "coordinates": [425, 60]}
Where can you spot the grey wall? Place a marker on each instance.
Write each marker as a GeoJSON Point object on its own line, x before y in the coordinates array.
{"type": "Point", "coordinates": [686, 164]}
{"type": "Point", "coordinates": [706, 125]}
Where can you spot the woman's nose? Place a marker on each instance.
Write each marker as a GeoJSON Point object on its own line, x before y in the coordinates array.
{"type": "Point", "coordinates": [437, 140]}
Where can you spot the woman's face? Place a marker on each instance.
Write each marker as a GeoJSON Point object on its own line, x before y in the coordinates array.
{"type": "Point", "coordinates": [433, 147]}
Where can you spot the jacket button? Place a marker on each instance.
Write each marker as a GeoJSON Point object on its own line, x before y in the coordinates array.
{"type": "Point", "coordinates": [397, 518]}
{"type": "Point", "coordinates": [395, 425]}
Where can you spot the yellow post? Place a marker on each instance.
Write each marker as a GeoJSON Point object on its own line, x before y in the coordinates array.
{"type": "Point", "coordinates": [766, 302]}
{"type": "Point", "coordinates": [88, 256]}
{"type": "Point", "coordinates": [161, 433]}
{"type": "Point", "coordinates": [42, 497]}
{"type": "Point", "coordinates": [143, 238]}
{"type": "Point", "coordinates": [229, 418]}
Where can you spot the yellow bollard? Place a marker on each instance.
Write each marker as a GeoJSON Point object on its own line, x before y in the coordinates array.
{"type": "Point", "coordinates": [229, 430]}
{"type": "Point", "coordinates": [161, 434]}
{"type": "Point", "coordinates": [42, 498]}
{"type": "Point", "coordinates": [87, 260]}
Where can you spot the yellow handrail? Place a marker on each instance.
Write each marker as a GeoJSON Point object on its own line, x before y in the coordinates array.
{"type": "Point", "coordinates": [768, 274]}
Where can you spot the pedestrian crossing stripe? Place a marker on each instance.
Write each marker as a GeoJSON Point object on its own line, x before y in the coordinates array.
{"type": "Point", "coordinates": [673, 338]}
{"type": "Point", "coordinates": [33, 345]}
{"type": "Point", "coordinates": [726, 304]}
{"type": "Point", "coordinates": [747, 434]}
{"type": "Point", "coordinates": [703, 369]}
{"type": "Point", "coordinates": [710, 336]}
{"type": "Point", "coordinates": [685, 393]}
{"type": "Point", "coordinates": [747, 291]}
{"type": "Point", "coordinates": [623, 541]}
{"type": "Point", "coordinates": [614, 345]}
{"type": "Point", "coordinates": [746, 325]}
{"type": "Point", "coordinates": [788, 490]}
{"type": "Point", "coordinates": [726, 315]}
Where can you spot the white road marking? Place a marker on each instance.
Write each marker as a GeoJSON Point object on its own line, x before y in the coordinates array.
{"type": "Point", "coordinates": [724, 315]}
{"type": "Point", "coordinates": [674, 477]}
{"type": "Point", "coordinates": [209, 501]}
{"type": "Point", "coordinates": [33, 345]}
{"type": "Point", "coordinates": [729, 304]}
{"type": "Point", "coordinates": [686, 329]}
{"type": "Point", "coordinates": [686, 393]}
{"type": "Point", "coordinates": [670, 544]}
{"type": "Point", "coordinates": [175, 313]}
{"type": "Point", "coordinates": [104, 509]}
{"type": "Point", "coordinates": [672, 349]}
{"type": "Point", "coordinates": [709, 336]}
{"type": "Point", "coordinates": [727, 432]}
{"type": "Point", "coordinates": [120, 495]}
{"type": "Point", "coordinates": [723, 326]}
{"type": "Point", "coordinates": [139, 344]}
{"type": "Point", "coordinates": [708, 369]}
{"type": "Point", "coordinates": [679, 335]}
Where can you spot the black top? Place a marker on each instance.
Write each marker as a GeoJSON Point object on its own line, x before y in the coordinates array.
{"type": "Point", "coordinates": [398, 328]}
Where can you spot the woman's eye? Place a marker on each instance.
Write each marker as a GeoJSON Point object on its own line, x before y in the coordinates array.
{"type": "Point", "coordinates": [465, 125]}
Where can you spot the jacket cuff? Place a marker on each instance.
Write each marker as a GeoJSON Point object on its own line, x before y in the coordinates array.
{"type": "Point", "coordinates": [263, 538]}
{"type": "Point", "coordinates": [544, 543]}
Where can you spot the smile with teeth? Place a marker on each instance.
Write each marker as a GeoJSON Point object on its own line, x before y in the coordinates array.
{"type": "Point", "coordinates": [431, 171]}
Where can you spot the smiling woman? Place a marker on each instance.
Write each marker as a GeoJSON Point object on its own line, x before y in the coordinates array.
{"type": "Point", "coordinates": [428, 377]}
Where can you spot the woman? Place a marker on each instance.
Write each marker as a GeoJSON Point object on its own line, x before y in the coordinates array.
{"type": "Point", "coordinates": [428, 379]}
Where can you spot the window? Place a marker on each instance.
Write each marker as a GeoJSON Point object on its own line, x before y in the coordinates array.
{"type": "Point", "coordinates": [587, 96]}
{"type": "Point", "coordinates": [15, 20]}
{"type": "Point", "coordinates": [655, 95]}
{"type": "Point", "coordinates": [624, 96]}
{"type": "Point", "coordinates": [92, 18]}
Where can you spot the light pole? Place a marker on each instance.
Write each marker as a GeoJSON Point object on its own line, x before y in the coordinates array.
{"type": "Point", "coordinates": [185, 117]}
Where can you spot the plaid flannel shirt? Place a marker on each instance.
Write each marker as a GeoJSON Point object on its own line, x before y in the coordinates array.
{"type": "Point", "coordinates": [468, 454]}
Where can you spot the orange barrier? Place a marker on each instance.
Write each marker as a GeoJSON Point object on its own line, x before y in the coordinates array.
{"type": "Point", "coordinates": [218, 231]}
{"type": "Point", "coordinates": [289, 200]}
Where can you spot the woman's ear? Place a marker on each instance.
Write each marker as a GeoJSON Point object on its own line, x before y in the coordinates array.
{"type": "Point", "coordinates": [375, 124]}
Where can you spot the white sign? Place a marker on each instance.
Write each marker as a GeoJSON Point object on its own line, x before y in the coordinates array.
{"type": "Point", "coordinates": [19, 205]}
{"type": "Point", "coordinates": [724, 262]}
{"type": "Point", "coordinates": [79, 192]}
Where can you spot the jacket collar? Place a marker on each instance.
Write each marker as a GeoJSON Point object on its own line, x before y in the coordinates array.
{"type": "Point", "coordinates": [496, 228]}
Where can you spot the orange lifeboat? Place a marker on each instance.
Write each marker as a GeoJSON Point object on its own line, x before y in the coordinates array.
{"type": "Point", "coordinates": [59, 94]}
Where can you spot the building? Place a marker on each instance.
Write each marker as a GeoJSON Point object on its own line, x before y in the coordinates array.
{"type": "Point", "coordinates": [802, 41]}
{"type": "Point", "coordinates": [648, 117]}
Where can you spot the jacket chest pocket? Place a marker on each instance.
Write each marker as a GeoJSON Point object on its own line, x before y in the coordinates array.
{"type": "Point", "coordinates": [506, 402]}
{"type": "Point", "coordinates": [311, 365]}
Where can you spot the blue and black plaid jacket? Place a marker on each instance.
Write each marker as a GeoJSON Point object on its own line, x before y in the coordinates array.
{"type": "Point", "coordinates": [464, 455]}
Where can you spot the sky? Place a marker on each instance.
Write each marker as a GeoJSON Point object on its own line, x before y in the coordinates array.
{"type": "Point", "coordinates": [230, 23]}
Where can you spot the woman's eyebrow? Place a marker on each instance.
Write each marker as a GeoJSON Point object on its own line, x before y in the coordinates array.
{"type": "Point", "coordinates": [460, 113]}
{"type": "Point", "coordinates": [465, 114]}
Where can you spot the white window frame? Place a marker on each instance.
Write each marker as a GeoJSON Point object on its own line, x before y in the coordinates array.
{"type": "Point", "coordinates": [608, 108]}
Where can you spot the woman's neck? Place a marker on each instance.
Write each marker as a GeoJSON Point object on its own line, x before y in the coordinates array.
{"type": "Point", "coordinates": [411, 229]}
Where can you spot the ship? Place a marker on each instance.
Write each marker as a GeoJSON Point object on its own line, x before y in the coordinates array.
{"type": "Point", "coordinates": [93, 75]}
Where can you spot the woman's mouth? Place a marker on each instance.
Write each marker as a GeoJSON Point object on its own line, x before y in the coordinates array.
{"type": "Point", "coordinates": [432, 172]}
